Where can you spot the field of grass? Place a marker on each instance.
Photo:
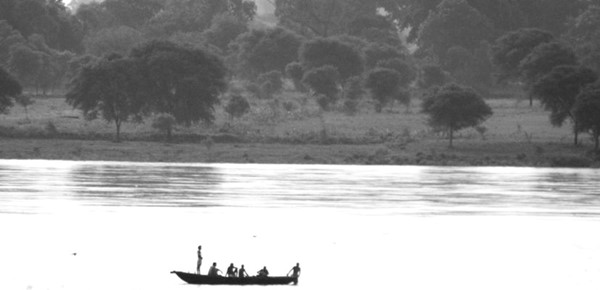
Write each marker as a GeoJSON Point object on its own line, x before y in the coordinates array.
{"type": "Point", "coordinates": [294, 130]}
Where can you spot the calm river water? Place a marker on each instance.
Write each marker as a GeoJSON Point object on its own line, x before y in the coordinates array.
{"type": "Point", "coordinates": [125, 226]}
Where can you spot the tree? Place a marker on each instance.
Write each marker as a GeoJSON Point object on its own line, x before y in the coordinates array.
{"type": "Point", "coordinates": [558, 91]}
{"type": "Point", "coordinates": [25, 63]}
{"type": "Point", "coordinates": [384, 85]}
{"type": "Point", "coordinates": [295, 72]}
{"type": "Point", "coordinates": [542, 59]}
{"type": "Point", "coordinates": [343, 57]}
{"type": "Point", "coordinates": [132, 13]}
{"type": "Point", "coordinates": [260, 51]}
{"type": "Point", "coordinates": [165, 123]}
{"type": "Point", "coordinates": [237, 107]}
{"type": "Point", "coordinates": [431, 75]}
{"type": "Point", "coordinates": [25, 101]}
{"type": "Point", "coordinates": [183, 82]}
{"type": "Point", "coordinates": [323, 82]}
{"type": "Point", "coordinates": [197, 15]}
{"type": "Point", "coordinates": [510, 49]}
{"type": "Point", "coordinates": [584, 34]}
{"type": "Point", "coordinates": [587, 113]}
{"type": "Point", "coordinates": [270, 83]}
{"type": "Point", "coordinates": [9, 89]}
{"type": "Point", "coordinates": [112, 88]}
{"type": "Point", "coordinates": [452, 108]}
{"type": "Point", "coordinates": [407, 71]}
{"type": "Point", "coordinates": [322, 18]}
{"type": "Point", "coordinates": [454, 23]}
{"type": "Point", "coordinates": [113, 40]}
{"type": "Point", "coordinates": [223, 30]}
{"type": "Point", "coordinates": [375, 53]}
{"type": "Point", "coordinates": [9, 37]}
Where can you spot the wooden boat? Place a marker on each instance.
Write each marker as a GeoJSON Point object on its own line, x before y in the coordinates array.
{"type": "Point", "coordinates": [222, 280]}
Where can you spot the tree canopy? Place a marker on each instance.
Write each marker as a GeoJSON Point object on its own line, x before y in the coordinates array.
{"type": "Point", "coordinates": [558, 91]}
{"type": "Point", "coordinates": [587, 113]}
{"type": "Point", "coordinates": [181, 81]}
{"type": "Point", "coordinates": [452, 108]}
{"type": "Point", "coordinates": [511, 48]}
{"type": "Point", "coordinates": [9, 89]}
{"type": "Point", "coordinates": [110, 88]}
{"type": "Point", "coordinates": [344, 57]}
{"type": "Point", "coordinates": [260, 51]}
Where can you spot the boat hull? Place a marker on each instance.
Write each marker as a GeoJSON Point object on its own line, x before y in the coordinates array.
{"type": "Point", "coordinates": [221, 280]}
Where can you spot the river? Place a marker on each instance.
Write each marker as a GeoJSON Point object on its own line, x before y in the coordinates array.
{"type": "Point", "coordinates": [69, 225]}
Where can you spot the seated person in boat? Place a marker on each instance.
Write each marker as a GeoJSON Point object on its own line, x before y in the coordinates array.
{"type": "Point", "coordinates": [295, 271]}
{"type": "Point", "coordinates": [263, 272]}
{"type": "Point", "coordinates": [231, 271]}
{"type": "Point", "coordinates": [242, 272]}
{"type": "Point", "coordinates": [214, 271]}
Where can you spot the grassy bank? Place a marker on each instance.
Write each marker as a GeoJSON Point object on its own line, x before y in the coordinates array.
{"type": "Point", "coordinates": [295, 131]}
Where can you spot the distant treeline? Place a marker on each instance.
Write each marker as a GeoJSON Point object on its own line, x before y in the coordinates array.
{"type": "Point", "coordinates": [335, 50]}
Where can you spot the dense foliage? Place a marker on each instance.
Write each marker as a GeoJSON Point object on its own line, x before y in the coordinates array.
{"type": "Point", "coordinates": [451, 108]}
{"type": "Point", "coordinates": [9, 89]}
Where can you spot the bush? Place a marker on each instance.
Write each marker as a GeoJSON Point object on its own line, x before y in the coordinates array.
{"type": "Point", "coordinates": [237, 106]}
{"type": "Point", "coordinates": [323, 81]}
{"type": "Point", "coordinates": [164, 123]}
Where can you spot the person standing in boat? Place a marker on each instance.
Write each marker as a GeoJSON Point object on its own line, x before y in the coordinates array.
{"type": "Point", "coordinates": [231, 270]}
{"type": "Point", "coordinates": [199, 259]}
{"type": "Point", "coordinates": [295, 271]}
{"type": "Point", "coordinates": [242, 272]}
{"type": "Point", "coordinates": [214, 271]}
{"type": "Point", "coordinates": [263, 272]}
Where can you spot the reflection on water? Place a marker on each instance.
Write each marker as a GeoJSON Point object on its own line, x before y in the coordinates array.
{"type": "Point", "coordinates": [386, 227]}
{"type": "Point", "coordinates": [403, 190]}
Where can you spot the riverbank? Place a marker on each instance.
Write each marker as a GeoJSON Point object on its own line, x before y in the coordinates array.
{"type": "Point", "coordinates": [430, 152]}
{"type": "Point", "coordinates": [516, 135]}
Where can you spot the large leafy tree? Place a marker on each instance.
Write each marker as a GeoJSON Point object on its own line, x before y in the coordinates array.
{"type": "Point", "coordinates": [9, 89]}
{"type": "Point", "coordinates": [384, 84]}
{"type": "Point", "coordinates": [261, 51]}
{"type": "Point", "coordinates": [133, 13]}
{"type": "Point", "coordinates": [110, 88]}
{"type": "Point", "coordinates": [322, 17]}
{"type": "Point", "coordinates": [511, 48]}
{"type": "Point", "coordinates": [197, 15]}
{"type": "Point", "coordinates": [111, 40]}
{"type": "Point", "coordinates": [344, 57]}
{"type": "Point", "coordinates": [323, 83]}
{"type": "Point", "coordinates": [543, 58]}
{"type": "Point", "coordinates": [49, 18]}
{"type": "Point", "coordinates": [183, 82]}
{"type": "Point", "coordinates": [453, 107]}
{"type": "Point", "coordinates": [454, 23]}
{"type": "Point", "coordinates": [584, 34]}
{"type": "Point", "coordinates": [587, 113]}
{"type": "Point", "coordinates": [558, 91]}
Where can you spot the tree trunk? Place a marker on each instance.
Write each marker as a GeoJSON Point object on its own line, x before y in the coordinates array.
{"type": "Point", "coordinates": [575, 133]}
{"type": "Point", "coordinates": [118, 125]}
{"type": "Point", "coordinates": [451, 136]}
{"type": "Point", "coordinates": [596, 136]}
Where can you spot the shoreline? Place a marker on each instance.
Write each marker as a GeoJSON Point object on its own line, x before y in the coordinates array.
{"type": "Point", "coordinates": [424, 152]}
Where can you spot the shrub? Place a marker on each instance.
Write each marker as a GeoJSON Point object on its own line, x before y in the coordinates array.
{"type": "Point", "coordinates": [237, 107]}
{"type": "Point", "coordinates": [164, 123]}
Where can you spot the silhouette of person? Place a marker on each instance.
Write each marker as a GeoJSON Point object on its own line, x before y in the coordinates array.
{"type": "Point", "coordinates": [231, 270]}
{"type": "Point", "coordinates": [295, 271]}
{"type": "Point", "coordinates": [263, 272]}
{"type": "Point", "coordinates": [199, 259]}
{"type": "Point", "coordinates": [242, 272]}
{"type": "Point", "coordinates": [214, 271]}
